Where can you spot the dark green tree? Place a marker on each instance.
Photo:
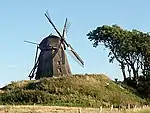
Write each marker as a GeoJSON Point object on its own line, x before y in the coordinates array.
{"type": "Point", "coordinates": [130, 48]}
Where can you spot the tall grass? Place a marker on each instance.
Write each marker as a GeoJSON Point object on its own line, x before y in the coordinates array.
{"type": "Point", "coordinates": [78, 90]}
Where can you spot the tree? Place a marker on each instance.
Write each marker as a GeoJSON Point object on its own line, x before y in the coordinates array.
{"type": "Point", "coordinates": [131, 49]}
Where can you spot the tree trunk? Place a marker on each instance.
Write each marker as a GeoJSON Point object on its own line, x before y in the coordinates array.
{"type": "Point", "coordinates": [134, 71]}
{"type": "Point", "coordinates": [123, 70]}
{"type": "Point", "coordinates": [129, 70]}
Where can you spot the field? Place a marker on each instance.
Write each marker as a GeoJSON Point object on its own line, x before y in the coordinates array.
{"type": "Point", "coordinates": [58, 109]}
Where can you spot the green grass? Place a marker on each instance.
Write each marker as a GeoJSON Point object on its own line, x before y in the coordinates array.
{"type": "Point", "coordinates": [78, 90]}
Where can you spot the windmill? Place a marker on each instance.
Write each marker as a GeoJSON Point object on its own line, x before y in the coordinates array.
{"type": "Point", "coordinates": [52, 59]}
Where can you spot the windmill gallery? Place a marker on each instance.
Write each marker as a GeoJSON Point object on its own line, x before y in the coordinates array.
{"type": "Point", "coordinates": [52, 59]}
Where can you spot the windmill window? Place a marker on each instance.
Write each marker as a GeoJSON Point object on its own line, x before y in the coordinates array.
{"type": "Point", "coordinates": [59, 70]}
{"type": "Point", "coordinates": [58, 63]}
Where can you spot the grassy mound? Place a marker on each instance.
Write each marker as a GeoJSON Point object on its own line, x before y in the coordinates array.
{"type": "Point", "coordinates": [78, 90]}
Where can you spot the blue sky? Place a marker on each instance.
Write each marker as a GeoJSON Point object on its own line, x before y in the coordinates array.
{"type": "Point", "coordinates": [24, 20]}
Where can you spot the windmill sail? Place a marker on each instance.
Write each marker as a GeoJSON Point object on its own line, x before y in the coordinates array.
{"type": "Point", "coordinates": [64, 29]}
{"type": "Point", "coordinates": [49, 19]}
{"type": "Point", "coordinates": [65, 42]}
{"type": "Point", "coordinates": [31, 42]}
{"type": "Point", "coordinates": [76, 56]}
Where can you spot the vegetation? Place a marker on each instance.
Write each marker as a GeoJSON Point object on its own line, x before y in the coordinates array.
{"type": "Point", "coordinates": [78, 90]}
{"type": "Point", "coordinates": [131, 49]}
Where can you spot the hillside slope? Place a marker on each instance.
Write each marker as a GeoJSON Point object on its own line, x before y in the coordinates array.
{"type": "Point", "coordinates": [78, 90]}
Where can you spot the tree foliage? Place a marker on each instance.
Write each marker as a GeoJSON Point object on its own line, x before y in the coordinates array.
{"type": "Point", "coordinates": [131, 49]}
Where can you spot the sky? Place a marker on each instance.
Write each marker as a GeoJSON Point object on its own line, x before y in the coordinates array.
{"type": "Point", "coordinates": [24, 20]}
